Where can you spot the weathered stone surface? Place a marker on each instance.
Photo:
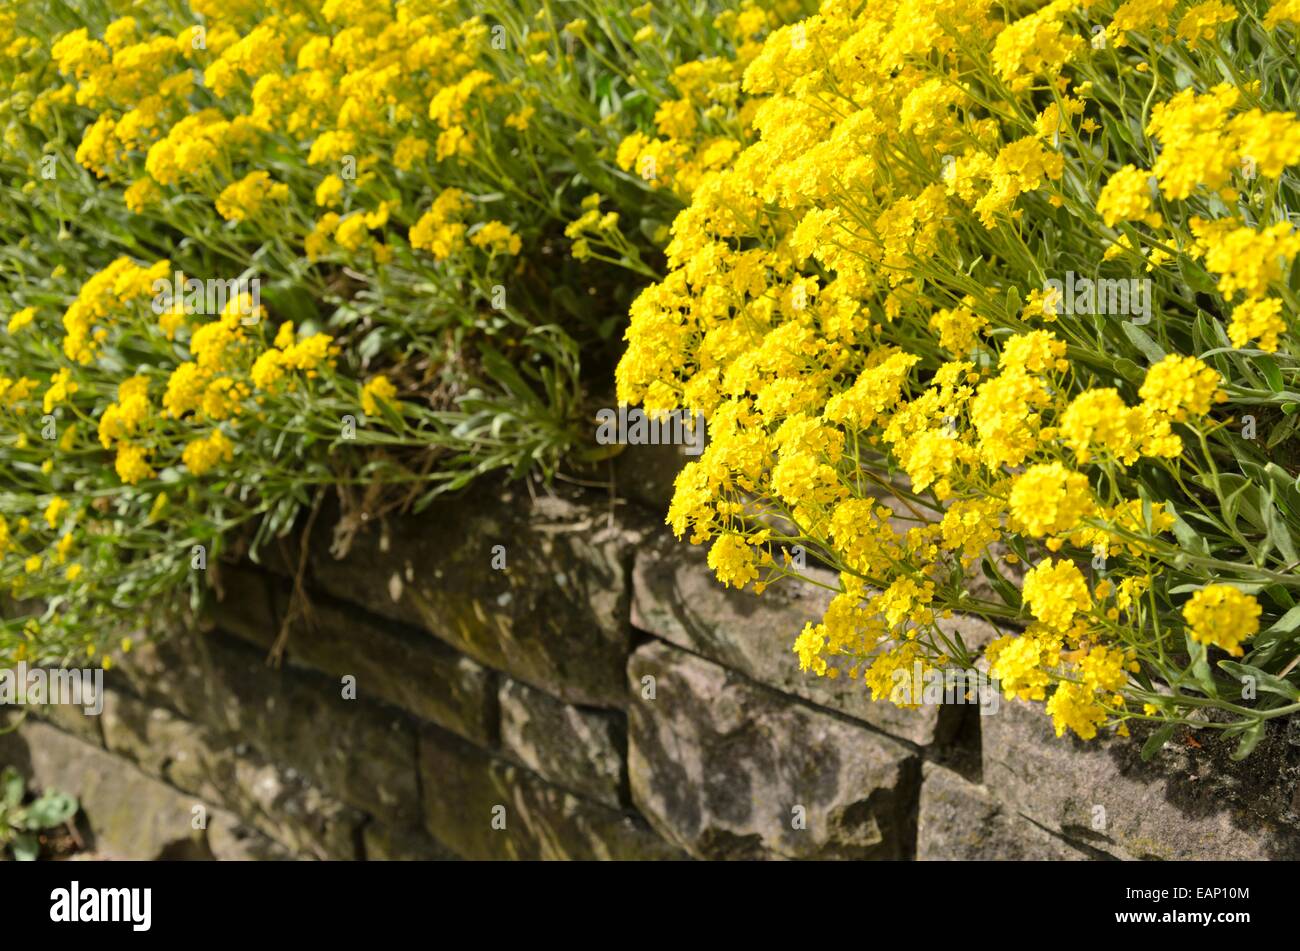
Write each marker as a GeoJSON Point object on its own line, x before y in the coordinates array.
{"type": "Point", "coordinates": [384, 843]}
{"type": "Point", "coordinates": [1188, 803]}
{"type": "Point", "coordinates": [359, 752]}
{"type": "Point", "coordinates": [231, 841]}
{"type": "Point", "coordinates": [726, 768]}
{"type": "Point", "coordinates": [466, 789]}
{"type": "Point", "coordinates": [556, 616]}
{"type": "Point", "coordinates": [677, 598]}
{"type": "Point", "coordinates": [401, 666]}
{"type": "Point", "coordinates": [580, 749]}
{"type": "Point", "coordinates": [244, 602]}
{"type": "Point", "coordinates": [129, 815]}
{"type": "Point", "coordinates": [645, 475]}
{"type": "Point", "coordinates": [75, 720]}
{"type": "Point", "coordinates": [960, 821]}
{"type": "Point", "coordinates": [275, 800]}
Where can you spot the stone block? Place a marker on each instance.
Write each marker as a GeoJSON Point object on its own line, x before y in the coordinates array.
{"type": "Point", "coordinates": [1189, 802]}
{"type": "Point", "coordinates": [579, 748]}
{"type": "Point", "coordinates": [726, 768]}
{"type": "Point", "coordinates": [484, 807]}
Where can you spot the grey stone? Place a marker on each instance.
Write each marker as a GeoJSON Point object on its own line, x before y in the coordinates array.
{"type": "Point", "coordinates": [959, 820]}
{"type": "Point", "coordinates": [404, 667]}
{"type": "Point", "coordinates": [353, 749]}
{"type": "Point", "coordinates": [1187, 803]}
{"type": "Point", "coordinates": [581, 749]}
{"type": "Point", "coordinates": [74, 720]}
{"type": "Point", "coordinates": [232, 841]}
{"type": "Point", "coordinates": [677, 598]}
{"type": "Point", "coordinates": [384, 843]}
{"type": "Point", "coordinates": [196, 759]}
{"type": "Point", "coordinates": [727, 769]}
{"type": "Point", "coordinates": [484, 807]}
{"type": "Point", "coordinates": [646, 474]}
{"type": "Point", "coordinates": [556, 616]}
{"type": "Point", "coordinates": [129, 815]}
{"type": "Point", "coordinates": [243, 601]}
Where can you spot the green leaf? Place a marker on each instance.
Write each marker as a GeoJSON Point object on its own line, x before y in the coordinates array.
{"type": "Point", "coordinates": [1157, 740]}
{"type": "Point", "coordinates": [1250, 739]}
{"type": "Point", "coordinates": [1283, 430]}
{"type": "Point", "coordinates": [1264, 681]}
{"type": "Point", "coordinates": [391, 416]}
{"type": "Point", "coordinates": [1287, 622]}
{"type": "Point", "coordinates": [1201, 667]}
{"type": "Point", "coordinates": [50, 810]}
{"type": "Point", "coordinates": [1196, 277]}
{"type": "Point", "coordinates": [1268, 367]}
{"type": "Point", "coordinates": [1014, 304]}
{"type": "Point", "coordinates": [1190, 539]}
{"type": "Point", "coordinates": [1005, 589]}
{"type": "Point", "coordinates": [11, 788]}
{"type": "Point", "coordinates": [1279, 533]}
{"type": "Point", "coordinates": [26, 847]}
{"type": "Point", "coordinates": [1142, 340]}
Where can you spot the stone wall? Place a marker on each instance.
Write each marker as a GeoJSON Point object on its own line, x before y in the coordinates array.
{"type": "Point", "coordinates": [598, 697]}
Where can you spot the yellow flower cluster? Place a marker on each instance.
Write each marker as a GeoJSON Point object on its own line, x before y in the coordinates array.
{"type": "Point", "coordinates": [354, 81]}
{"type": "Point", "coordinates": [1221, 615]}
{"type": "Point", "coordinates": [362, 190]}
{"type": "Point", "coordinates": [845, 303]}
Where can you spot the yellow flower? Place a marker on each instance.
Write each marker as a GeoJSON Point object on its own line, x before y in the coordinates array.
{"type": "Point", "coordinates": [21, 319]}
{"type": "Point", "coordinates": [1020, 664]}
{"type": "Point", "coordinates": [352, 232]}
{"type": "Point", "coordinates": [733, 560]}
{"type": "Point", "coordinates": [310, 353]}
{"type": "Point", "coordinates": [1135, 15]}
{"type": "Point", "coordinates": [496, 236]}
{"type": "Point", "coordinates": [521, 119]}
{"type": "Point", "coordinates": [267, 369]}
{"type": "Point", "coordinates": [1034, 45]}
{"type": "Point", "coordinates": [329, 192]}
{"type": "Point", "coordinates": [454, 142]}
{"type": "Point", "coordinates": [895, 668]}
{"type": "Point", "coordinates": [1246, 260]}
{"type": "Point", "coordinates": [377, 388]}
{"type": "Point", "coordinates": [1107, 668]}
{"type": "Point", "coordinates": [132, 464]}
{"type": "Point", "coordinates": [55, 511]}
{"type": "Point", "coordinates": [1178, 386]}
{"type": "Point", "coordinates": [1220, 615]}
{"type": "Point", "coordinates": [246, 198]}
{"type": "Point", "coordinates": [1049, 499]}
{"type": "Point", "coordinates": [1127, 197]}
{"type": "Point", "coordinates": [1190, 128]}
{"type": "Point", "coordinates": [1282, 11]}
{"type": "Point", "coordinates": [1099, 421]}
{"type": "Point", "coordinates": [410, 151]}
{"type": "Point", "coordinates": [1075, 707]}
{"type": "Point", "coordinates": [61, 388]}
{"type": "Point", "coordinates": [201, 455]}
{"type": "Point", "coordinates": [1203, 20]}
{"type": "Point", "coordinates": [1055, 592]}
{"type": "Point", "coordinates": [141, 194]}
{"type": "Point", "coordinates": [1268, 141]}
{"type": "Point", "coordinates": [1257, 320]}
{"type": "Point", "coordinates": [959, 329]}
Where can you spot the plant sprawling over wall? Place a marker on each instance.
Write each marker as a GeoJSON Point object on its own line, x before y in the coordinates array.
{"type": "Point", "coordinates": [258, 249]}
{"type": "Point", "coordinates": [994, 311]}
